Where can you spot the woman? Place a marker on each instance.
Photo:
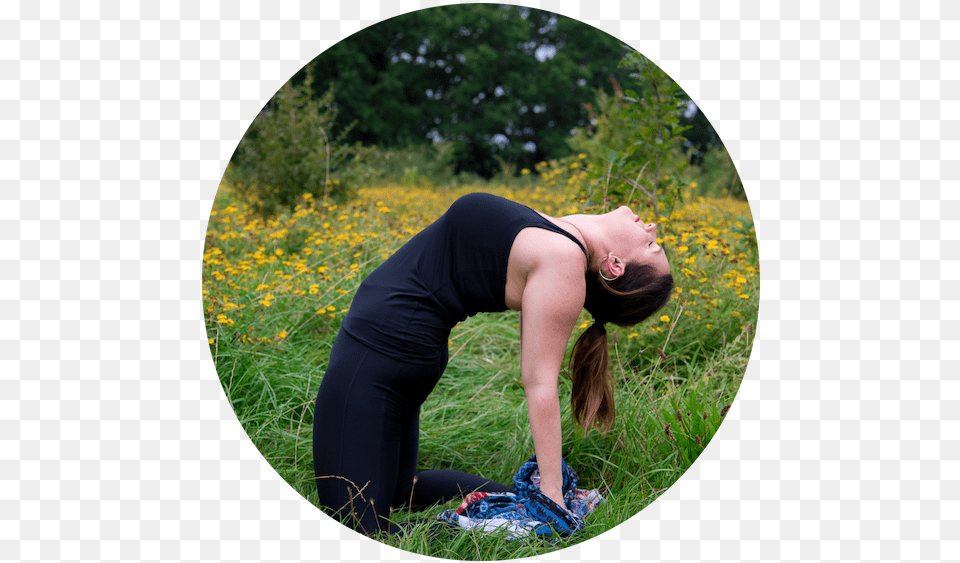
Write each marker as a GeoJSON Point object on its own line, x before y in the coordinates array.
{"type": "Point", "coordinates": [484, 254]}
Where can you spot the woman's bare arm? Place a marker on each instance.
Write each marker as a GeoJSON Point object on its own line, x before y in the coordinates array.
{"type": "Point", "coordinates": [551, 303]}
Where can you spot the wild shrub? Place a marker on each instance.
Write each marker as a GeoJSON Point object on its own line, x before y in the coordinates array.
{"type": "Point", "coordinates": [291, 149]}
{"type": "Point", "coordinates": [634, 144]}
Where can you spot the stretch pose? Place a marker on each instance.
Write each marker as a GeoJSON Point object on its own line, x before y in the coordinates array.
{"type": "Point", "coordinates": [484, 254]}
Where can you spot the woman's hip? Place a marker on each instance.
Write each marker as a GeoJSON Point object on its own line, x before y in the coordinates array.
{"type": "Point", "coordinates": [355, 367]}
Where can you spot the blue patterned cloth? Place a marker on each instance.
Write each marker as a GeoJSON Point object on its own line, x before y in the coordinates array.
{"type": "Point", "coordinates": [527, 511]}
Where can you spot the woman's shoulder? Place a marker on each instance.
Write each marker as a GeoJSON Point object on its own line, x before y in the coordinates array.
{"type": "Point", "coordinates": [546, 249]}
{"type": "Point", "coordinates": [549, 256]}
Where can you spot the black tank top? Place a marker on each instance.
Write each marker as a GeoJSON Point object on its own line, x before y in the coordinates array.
{"type": "Point", "coordinates": [453, 269]}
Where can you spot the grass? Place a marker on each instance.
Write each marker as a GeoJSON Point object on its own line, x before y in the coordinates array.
{"type": "Point", "coordinates": [275, 293]}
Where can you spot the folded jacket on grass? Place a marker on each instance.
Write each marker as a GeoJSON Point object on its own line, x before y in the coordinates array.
{"type": "Point", "coordinates": [527, 511]}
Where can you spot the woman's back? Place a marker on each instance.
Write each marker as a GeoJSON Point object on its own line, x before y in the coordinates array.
{"type": "Point", "coordinates": [451, 270]}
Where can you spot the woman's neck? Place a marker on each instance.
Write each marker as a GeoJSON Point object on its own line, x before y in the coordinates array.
{"type": "Point", "coordinates": [590, 231]}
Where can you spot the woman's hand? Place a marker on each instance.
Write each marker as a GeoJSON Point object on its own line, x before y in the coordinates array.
{"type": "Point", "coordinates": [553, 514]}
{"type": "Point", "coordinates": [556, 495]}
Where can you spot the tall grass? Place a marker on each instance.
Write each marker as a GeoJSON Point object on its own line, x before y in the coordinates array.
{"type": "Point", "coordinates": [275, 293]}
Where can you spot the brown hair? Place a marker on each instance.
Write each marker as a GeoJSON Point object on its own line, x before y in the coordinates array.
{"type": "Point", "coordinates": [625, 301]}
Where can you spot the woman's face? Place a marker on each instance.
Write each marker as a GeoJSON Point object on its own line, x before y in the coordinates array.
{"type": "Point", "coordinates": [637, 241]}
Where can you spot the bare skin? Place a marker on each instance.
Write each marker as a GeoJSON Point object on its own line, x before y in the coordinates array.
{"type": "Point", "coordinates": [545, 282]}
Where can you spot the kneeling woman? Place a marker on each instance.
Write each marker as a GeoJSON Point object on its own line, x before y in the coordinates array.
{"type": "Point", "coordinates": [484, 254]}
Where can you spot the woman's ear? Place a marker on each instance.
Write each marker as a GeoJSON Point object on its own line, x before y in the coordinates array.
{"type": "Point", "coordinates": [615, 266]}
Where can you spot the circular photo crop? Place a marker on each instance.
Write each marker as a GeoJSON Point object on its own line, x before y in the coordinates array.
{"type": "Point", "coordinates": [480, 282]}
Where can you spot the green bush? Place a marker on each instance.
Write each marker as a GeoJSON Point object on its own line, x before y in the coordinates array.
{"type": "Point", "coordinates": [634, 146]}
{"type": "Point", "coordinates": [290, 149]}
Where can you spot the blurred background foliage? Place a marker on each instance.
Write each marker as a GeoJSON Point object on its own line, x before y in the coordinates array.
{"type": "Point", "coordinates": [460, 94]}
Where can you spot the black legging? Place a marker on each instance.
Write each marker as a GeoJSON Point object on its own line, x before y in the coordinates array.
{"type": "Point", "coordinates": [366, 436]}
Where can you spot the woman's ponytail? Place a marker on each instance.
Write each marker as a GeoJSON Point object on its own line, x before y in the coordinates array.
{"type": "Point", "coordinates": [626, 301]}
{"type": "Point", "coordinates": [592, 396]}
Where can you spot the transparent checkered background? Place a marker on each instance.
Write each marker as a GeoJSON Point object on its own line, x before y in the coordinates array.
{"type": "Point", "coordinates": [116, 123]}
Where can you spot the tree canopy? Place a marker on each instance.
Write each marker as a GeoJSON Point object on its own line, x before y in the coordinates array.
{"type": "Point", "coordinates": [501, 83]}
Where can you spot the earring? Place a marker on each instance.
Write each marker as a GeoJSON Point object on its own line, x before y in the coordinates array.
{"type": "Point", "coordinates": [600, 271]}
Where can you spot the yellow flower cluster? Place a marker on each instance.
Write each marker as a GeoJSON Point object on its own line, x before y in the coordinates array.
{"type": "Point", "coordinates": [265, 281]}
{"type": "Point", "coordinates": [711, 244]}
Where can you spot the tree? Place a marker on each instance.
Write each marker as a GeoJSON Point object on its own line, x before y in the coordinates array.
{"type": "Point", "coordinates": [503, 84]}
